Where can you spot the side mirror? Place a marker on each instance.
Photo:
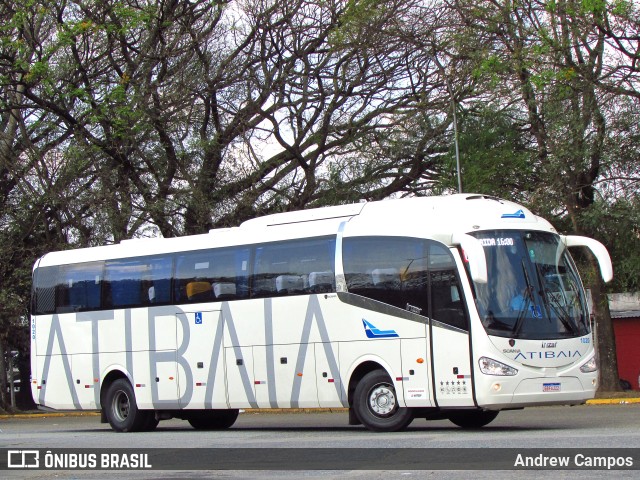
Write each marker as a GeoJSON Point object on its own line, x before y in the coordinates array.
{"type": "Point", "coordinates": [598, 250]}
{"type": "Point", "coordinates": [473, 254]}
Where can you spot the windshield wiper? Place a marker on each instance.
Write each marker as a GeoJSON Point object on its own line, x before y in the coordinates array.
{"type": "Point", "coordinates": [543, 290]}
{"type": "Point", "coordinates": [528, 295]}
{"type": "Point", "coordinates": [563, 316]}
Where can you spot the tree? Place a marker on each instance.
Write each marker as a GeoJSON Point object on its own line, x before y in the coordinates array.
{"type": "Point", "coordinates": [552, 57]}
{"type": "Point", "coordinates": [129, 118]}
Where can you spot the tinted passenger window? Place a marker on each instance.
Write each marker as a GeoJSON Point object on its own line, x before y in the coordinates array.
{"type": "Point", "coordinates": [70, 288]}
{"type": "Point", "coordinates": [294, 268]}
{"type": "Point", "coordinates": [46, 279]}
{"type": "Point", "coordinates": [392, 270]}
{"type": "Point", "coordinates": [405, 273]}
{"type": "Point", "coordinates": [140, 282]}
{"type": "Point", "coordinates": [79, 287]}
{"type": "Point", "coordinates": [212, 275]}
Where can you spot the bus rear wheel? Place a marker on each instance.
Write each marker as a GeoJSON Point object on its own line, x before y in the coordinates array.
{"type": "Point", "coordinates": [213, 419]}
{"type": "Point", "coordinates": [472, 418]}
{"type": "Point", "coordinates": [122, 411]}
{"type": "Point", "coordinates": [376, 404]}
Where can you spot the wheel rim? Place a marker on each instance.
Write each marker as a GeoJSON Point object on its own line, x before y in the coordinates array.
{"type": "Point", "coordinates": [382, 400]}
{"type": "Point", "coordinates": [121, 405]}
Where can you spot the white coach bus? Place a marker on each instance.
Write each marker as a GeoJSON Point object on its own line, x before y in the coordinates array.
{"type": "Point", "coordinates": [444, 307]}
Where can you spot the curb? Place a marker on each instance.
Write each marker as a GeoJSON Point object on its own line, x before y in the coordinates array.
{"type": "Point", "coordinates": [612, 401]}
{"type": "Point", "coordinates": [52, 414]}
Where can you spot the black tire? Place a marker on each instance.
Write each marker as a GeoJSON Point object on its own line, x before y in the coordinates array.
{"type": "Point", "coordinates": [375, 403]}
{"type": "Point", "coordinates": [213, 419]}
{"type": "Point", "coordinates": [151, 422]}
{"type": "Point", "coordinates": [121, 409]}
{"type": "Point", "coordinates": [473, 418]}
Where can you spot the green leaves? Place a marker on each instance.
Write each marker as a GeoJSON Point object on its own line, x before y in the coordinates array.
{"type": "Point", "coordinates": [616, 223]}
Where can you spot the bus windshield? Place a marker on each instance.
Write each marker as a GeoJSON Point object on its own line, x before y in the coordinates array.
{"type": "Point", "coordinates": [533, 289]}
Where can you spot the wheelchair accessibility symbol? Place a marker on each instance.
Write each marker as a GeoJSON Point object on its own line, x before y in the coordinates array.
{"type": "Point", "coordinates": [198, 318]}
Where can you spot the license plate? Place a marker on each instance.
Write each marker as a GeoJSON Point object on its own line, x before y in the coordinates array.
{"type": "Point", "coordinates": [550, 387]}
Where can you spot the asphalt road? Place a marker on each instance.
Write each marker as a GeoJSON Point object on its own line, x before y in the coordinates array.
{"type": "Point", "coordinates": [583, 427]}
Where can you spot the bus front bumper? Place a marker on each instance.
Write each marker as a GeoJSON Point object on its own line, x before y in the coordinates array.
{"type": "Point", "coordinates": [536, 391]}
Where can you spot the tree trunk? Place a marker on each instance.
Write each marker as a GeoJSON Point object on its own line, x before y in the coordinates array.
{"type": "Point", "coordinates": [4, 404]}
{"type": "Point", "coordinates": [604, 338]}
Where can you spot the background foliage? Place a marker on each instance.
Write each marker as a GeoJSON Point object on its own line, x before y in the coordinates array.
{"type": "Point", "coordinates": [128, 118]}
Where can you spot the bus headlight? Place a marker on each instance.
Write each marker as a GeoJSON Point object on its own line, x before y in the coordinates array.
{"type": "Point", "coordinates": [590, 366]}
{"type": "Point", "coordinates": [489, 366]}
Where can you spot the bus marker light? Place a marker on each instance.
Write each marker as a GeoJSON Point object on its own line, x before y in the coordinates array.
{"type": "Point", "coordinates": [331, 380]}
{"type": "Point", "coordinates": [496, 387]}
{"type": "Point", "coordinates": [170, 378]}
{"type": "Point", "coordinates": [299, 374]}
{"type": "Point", "coordinates": [420, 360]}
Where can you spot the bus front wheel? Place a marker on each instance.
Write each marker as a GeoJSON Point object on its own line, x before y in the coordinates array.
{"type": "Point", "coordinates": [121, 409]}
{"type": "Point", "coordinates": [472, 418]}
{"type": "Point", "coordinates": [376, 404]}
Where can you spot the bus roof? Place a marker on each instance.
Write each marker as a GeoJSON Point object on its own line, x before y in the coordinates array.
{"type": "Point", "coordinates": [437, 217]}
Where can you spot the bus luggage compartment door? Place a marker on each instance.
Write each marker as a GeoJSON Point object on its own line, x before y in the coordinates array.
{"type": "Point", "coordinates": [451, 366]}
{"type": "Point", "coordinates": [201, 366]}
{"type": "Point", "coordinates": [415, 373]}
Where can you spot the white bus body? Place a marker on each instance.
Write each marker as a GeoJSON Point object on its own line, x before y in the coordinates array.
{"type": "Point", "coordinates": [441, 307]}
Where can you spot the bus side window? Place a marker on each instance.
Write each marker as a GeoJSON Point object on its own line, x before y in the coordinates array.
{"type": "Point", "coordinates": [392, 270]}
{"type": "Point", "coordinates": [80, 287]}
{"type": "Point", "coordinates": [46, 280]}
{"type": "Point", "coordinates": [294, 268]}
{"type": "Point", "coordinates": [229, 273]}
{"type": "Point", "coordinates": [137, 283]}
{"type": "Point", "coordinates": [158, 283]}
{"type": "Point", "coordinates": [193, 277]}
{"type": "Point", "coordinates": [123, 283]}
{"type": "Point", "coordinates": [263, 281]}
{"type": "Point", "coordinates": [446, 299]}
{"type": "Point", "coordinates": [212, 275]}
